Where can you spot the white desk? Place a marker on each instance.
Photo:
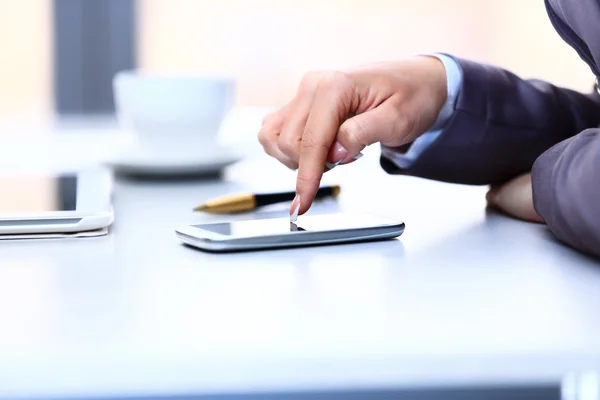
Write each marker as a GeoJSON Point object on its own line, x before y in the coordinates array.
{"type": "Point", "coordinates": [463, 298]}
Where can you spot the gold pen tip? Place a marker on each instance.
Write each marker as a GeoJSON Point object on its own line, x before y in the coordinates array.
{"type": "Point", "coordinates": [335, 190]}
{"type": "Point", "coordinates": [201, 207]}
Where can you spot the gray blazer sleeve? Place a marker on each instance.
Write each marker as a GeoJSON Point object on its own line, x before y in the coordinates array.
{"type": "Point", "coordinates": [500, 127]}
{"type": "Point", "coordinates": [566, 190]}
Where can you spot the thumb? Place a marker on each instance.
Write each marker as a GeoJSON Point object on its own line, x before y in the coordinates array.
{"type": "Point", "coordinates": [376, 125]}
{"type": "Point", "coordinates": [492, 195]}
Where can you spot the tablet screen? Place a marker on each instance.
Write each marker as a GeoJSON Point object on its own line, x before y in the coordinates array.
{"type": "Point", "coordinates": [25, 193]}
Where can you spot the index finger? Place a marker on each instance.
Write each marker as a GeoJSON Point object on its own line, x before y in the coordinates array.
{"type": "Point", "coordinates": [331, 105]}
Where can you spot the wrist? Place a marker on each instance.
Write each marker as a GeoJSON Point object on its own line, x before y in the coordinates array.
{"type": "Point", "coordinates": [436, 84]}
{"type": "Point", "coordinates": [454, 78]}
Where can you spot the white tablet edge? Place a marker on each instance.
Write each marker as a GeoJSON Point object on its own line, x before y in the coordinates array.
{"type": "Point", "coordinates": [93, 210]}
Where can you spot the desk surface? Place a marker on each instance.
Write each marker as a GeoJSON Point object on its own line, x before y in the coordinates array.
{"type": "Point", "coordinates": [465, 296]}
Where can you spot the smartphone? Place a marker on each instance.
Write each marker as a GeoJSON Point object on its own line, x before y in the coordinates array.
{"type": "Point", "coordinates": [274, 233]}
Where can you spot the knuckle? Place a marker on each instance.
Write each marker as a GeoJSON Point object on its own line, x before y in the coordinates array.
{"type": "Point", "coordinates": [311, 143]}
{"type": "Point", "coordinates": [354, 131]}
{"type": "Point", "coordinates": [305, 179]}
{"type": "Point", "coordinates": [310, 79]}
{"type": "Point", "coordinates": [288, 144]}
{"type": "Point", "coordinates": [333, 81]}
{"type": "Point", "coordinates": [263, 137]}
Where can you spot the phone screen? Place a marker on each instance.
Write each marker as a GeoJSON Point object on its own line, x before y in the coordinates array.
{"type": "Point", "coordinates": [277, 226]}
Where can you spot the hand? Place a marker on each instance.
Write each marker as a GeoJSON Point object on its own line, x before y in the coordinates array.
{"type": "Point", "coordinates": [515, 198]}
{"type": "Point", "coordinates": [336, 114]}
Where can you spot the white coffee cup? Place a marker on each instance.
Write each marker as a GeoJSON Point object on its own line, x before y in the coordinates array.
{"type": "Point", "coordinates": [173, 113]}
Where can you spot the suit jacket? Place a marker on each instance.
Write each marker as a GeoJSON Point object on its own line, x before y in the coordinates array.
{"type": "Point", "coordinates": [504, 126]}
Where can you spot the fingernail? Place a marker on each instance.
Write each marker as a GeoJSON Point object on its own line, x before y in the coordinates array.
{"type": "Point", "coordinates": [337, 153]}
{"type": "Point", "coordinates": [351, 160]}
{"type": "Point", "coordinates": [295, 209]}
{"type": "Point", "coordinates": [331, 166]}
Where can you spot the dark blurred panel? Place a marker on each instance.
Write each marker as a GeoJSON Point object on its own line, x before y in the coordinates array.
{"type": "Point", "coordinates": [67, 193]}
{"type": "Point", "coordinates": [543, 392]}
{"type": "Point", "coordinates": [92, 41]}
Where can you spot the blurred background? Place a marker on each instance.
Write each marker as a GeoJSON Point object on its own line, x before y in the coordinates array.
{"type": "Point", "coordinates": [57, 62]}
{"type": "Point", "coordinates": [57, 57]}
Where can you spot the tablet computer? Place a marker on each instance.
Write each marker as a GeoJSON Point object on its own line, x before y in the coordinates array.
{"type": "Point", "coordinates": [63, 201]}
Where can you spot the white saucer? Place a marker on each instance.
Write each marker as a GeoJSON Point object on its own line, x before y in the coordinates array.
{"type": "Point", "coordinates": [203, 161]}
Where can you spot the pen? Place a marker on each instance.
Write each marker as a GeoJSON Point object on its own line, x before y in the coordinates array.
{"type": "Point", "coordinates": [250, 201]}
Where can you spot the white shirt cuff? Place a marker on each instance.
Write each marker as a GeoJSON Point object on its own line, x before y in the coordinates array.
{"type": "Point", "coordinates": [454, 82]}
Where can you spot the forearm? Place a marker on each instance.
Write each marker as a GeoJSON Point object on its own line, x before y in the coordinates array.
{"type": "Point", "coordinates": [501, 124]}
